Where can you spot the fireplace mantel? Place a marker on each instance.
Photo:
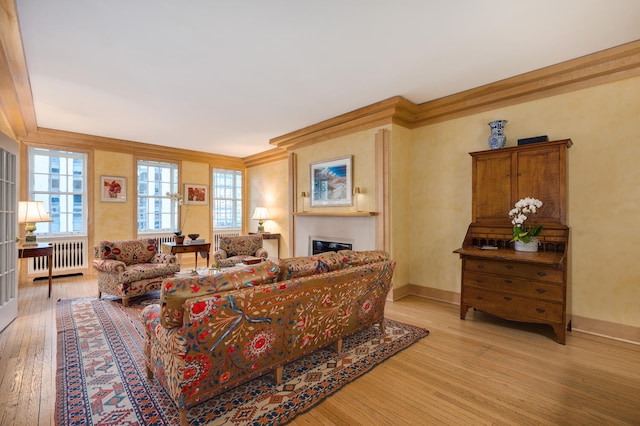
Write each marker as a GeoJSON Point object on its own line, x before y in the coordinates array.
{"type": "Point", "coordinates": [336, 214]}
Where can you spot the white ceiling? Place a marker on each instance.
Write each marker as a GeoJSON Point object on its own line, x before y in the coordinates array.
{"type": "Point", "coordinates": [226, 76]}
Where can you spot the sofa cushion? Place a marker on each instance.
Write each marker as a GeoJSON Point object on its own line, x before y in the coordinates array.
{"type": "Point", "coordinates": [297, 267]}
{"type": "Point", "coordinates": [357, 258]}
{"type": "Point", "coordinates": [143, 271]}
{"type": "Point", "coordinates": [130, 251]}
{"type": "Point", "coordinates": [176, 290]}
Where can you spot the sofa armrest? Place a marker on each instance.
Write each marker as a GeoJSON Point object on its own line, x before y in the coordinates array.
{"type": "Point", "coordinates": [262, 252]}
{"type": "Point", "coordinates": [220, 254]}
{"type": "Point", "coordinates": [164, 258]}
{"type": "Point", "coordinates": [108, 265]}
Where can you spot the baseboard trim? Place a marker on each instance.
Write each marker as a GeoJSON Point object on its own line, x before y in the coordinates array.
{"type": "Point", "coordinates": [609, 330]}
{"type": "Point", "coordinates": [426, 292]}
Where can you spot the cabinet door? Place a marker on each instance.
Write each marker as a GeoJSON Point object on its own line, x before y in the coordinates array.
{"type": "Point", "coordinates": [541, 174]}
{"type": "Point", "coordinates": [492, 188]}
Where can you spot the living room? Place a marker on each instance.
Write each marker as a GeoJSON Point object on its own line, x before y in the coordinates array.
{"type": "Point", "coordinates": [411, 163]}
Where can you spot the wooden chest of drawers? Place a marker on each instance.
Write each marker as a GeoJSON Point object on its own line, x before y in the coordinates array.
{"type": "Point", "coordinates": [528, 287]}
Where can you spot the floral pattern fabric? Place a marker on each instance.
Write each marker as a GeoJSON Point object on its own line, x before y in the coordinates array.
{"type": "Point", "coordinates": [122, 272]}
{"type": "Point", "coordinates": [296, 267]}
{"type": "Point", "coordinates": [230, 337]}
{"type": "Point", "coordinates": [233, 250]}
{"type": "Point", "coordinates": [176, 290]}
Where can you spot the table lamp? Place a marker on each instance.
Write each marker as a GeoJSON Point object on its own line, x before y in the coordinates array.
{"type": "Point", "coordinates": [260, 214]}
{"type": "Point", "coordinates": [31, 212]}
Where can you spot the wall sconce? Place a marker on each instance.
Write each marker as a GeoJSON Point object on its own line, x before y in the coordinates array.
{"type": "Point", "coordinates": [260, 214]}
{"type": "Point", "coordinates": [304, 195]}
{"type": "Point", "coordinates": [29, 213]}
{"type": "Point", "coordinates": [356, 192]}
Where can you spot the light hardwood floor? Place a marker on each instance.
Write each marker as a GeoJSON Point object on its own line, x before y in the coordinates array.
{"type": "Point", "coordinates": [479, 371]}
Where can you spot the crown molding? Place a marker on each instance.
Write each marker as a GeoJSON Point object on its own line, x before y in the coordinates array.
{"type": "Point", "coordinates": [598, 68]}
{"type": "Point", "coordinates": [58, 138]}
{"type": "Point", "coordinates": [17, 114]}
{"type": "Point", "coordinates": [396, 110]}
{"type": "Point", "coordinates": [276, 154]}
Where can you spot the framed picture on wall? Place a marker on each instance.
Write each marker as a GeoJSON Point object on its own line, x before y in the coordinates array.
{"type": "Point", "coordinates": [196, 194]}
{"type": "Point", "coordinates": [331, 183]}
{"type": "Point", "coordinates": [113, 189]}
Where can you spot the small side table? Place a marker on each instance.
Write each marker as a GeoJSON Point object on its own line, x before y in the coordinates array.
{"type": "Point", "coordinates": [270, 236]}
{"type": "Point", "coordinates": [190, 248]}
{"type": "Point", "coordinates": [40, 249]}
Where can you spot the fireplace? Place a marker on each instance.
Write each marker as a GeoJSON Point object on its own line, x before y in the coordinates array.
{"type": "Point", "coordinates": [323, 244]}
{"type": "Point", "coordinates": [359, 231]}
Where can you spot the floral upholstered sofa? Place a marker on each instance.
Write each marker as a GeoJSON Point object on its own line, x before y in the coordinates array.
{"type": "Point", "coordinates": [130, 268]}
{"type": "Point", "coordinates": [212, 333]}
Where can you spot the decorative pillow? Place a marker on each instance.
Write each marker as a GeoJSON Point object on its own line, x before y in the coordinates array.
{"type": "Point", "coordinates": [128, 251]}
{"type": "Point", "coordinates": [357, 258]}
{"type": "Point", "coordinates": [175, 290]}
{"type": "Point", "coordinates": [297, 267]}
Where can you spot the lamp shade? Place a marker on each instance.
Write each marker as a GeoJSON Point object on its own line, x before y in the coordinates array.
{"type": "Point", "coordinates": [32, 212]}
{"type": "Point", "coordinates": [260, 213]}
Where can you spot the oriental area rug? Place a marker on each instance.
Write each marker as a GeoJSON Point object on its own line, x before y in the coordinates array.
{"type": "Point", "coordinates": [101, 378]}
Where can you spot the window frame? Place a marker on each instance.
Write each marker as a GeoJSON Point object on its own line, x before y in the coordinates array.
{"type": "Point", "coordinates": [164, 201]}
{"type": "Point", "coordinates": [237, 200]}
{"type": "Point", "coordinates": [47, 196]}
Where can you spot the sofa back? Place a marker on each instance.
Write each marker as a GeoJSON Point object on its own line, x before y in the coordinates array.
{"type": "Point", "coordinates": [241, 245]}
{"type": "Point", "coordinates": [177, 289]}
{"type": "Point", "coordinates": [296, 267]}
{"type": "Point", "coordinates": [128, 251]}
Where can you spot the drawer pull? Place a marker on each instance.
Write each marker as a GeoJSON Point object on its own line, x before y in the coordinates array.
{"type": "Point", "coordinates": [509, 267]}
{"type": "Point", "coordinates": [480, 266]}
{"type": "Point", "coordinates": [507, 298]}
{"type": "Point", "coordinates": [541, 274]}
{"type": "Point", "coordinates": [479, 297]}
{"type": "Point", "coordinates": [508, 282]}
{"type": "Point", "coordinates": [540, 290]}
{"type": "Point", "coordinates": [539, 310]}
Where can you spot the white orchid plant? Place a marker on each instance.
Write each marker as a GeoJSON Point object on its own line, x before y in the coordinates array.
{"type": "Point", "coordinates": [179, 199]}
{"type": "Point", "coordinates": [523, 210]}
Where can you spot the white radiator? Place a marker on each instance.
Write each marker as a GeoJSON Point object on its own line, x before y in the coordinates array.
{"type": "Point", "coordinates": [219, 234]}
{"type": "Point", "coordinates": [69, 256]}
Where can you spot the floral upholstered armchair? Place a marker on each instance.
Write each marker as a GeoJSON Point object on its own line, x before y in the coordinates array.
{"type": "Point", "coordinates": [131, 268]}
{"type": "Point", "coordinates": [233, 250]}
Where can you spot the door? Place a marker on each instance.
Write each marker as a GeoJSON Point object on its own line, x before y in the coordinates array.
{"type": "Point", "coordinates": [8, 231]}
{"type": "Point", "coordinates": [492, 188]}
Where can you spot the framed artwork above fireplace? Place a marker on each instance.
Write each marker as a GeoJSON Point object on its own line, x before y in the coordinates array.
{"type": "Point", "coordinates": [331, 183]}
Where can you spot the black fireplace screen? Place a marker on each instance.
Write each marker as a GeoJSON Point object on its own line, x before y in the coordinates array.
{"type": "Point", "coordinates": [319, 246]}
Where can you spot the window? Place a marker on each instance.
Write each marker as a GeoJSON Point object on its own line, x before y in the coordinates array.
{"type": "Point", "coordinates": [156, 211]}
{"type": "Point", "coordinates": [227, 199]}
{"type": "Point", "coordinates": [59, 179]}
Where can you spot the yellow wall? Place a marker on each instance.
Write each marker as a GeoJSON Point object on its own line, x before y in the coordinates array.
{"type": "Point", "coordinates": [360, 145]}
{"type": "Point", "coordinates": [113, 221]}
{"type": "Point", "coordinates": [430, 190]}
{"type": "Point", "coordinates": [603, 192]}
{"type": "Point", "coordinates": [267, 186]}
{"type": "Point", "coordinates": [400, 203]}
{"type": "Point", "coordinates": [195, 219]}
{"type": "Point", "coordinates": [118, 221]}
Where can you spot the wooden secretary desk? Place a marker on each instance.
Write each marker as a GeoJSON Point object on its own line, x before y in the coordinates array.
{"type": "Point", "coordinates": [518, 286]}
